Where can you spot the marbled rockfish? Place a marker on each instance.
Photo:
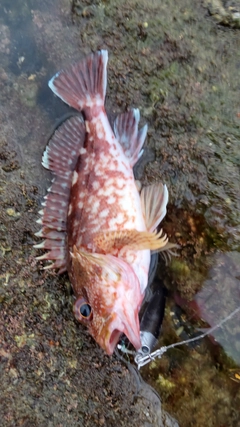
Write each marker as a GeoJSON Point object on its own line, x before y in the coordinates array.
{"type": "Point", "coordinates": [96, 223]}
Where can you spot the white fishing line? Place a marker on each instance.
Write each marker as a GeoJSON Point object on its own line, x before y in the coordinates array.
{"type": "Point", "coordinates": [142, 360]}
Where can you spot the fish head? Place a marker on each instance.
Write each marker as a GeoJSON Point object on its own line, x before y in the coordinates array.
{"type": "Point", "coordinates": [108, 298]}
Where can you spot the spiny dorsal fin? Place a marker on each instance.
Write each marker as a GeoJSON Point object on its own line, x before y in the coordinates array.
{"type": "Point", "coordinates": [128, 135]}
{"type": "Point", "coordinates": [133, 239]}
{"type": "Point", "coordinates": [60, 157]}
{"type": "Point", "coordinates": [83, 84]}
{"type": "Point", "coordinates": [154, 199]}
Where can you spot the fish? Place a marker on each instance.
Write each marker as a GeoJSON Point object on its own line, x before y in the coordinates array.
{"type": "Point", "coordinates": [97, 224]}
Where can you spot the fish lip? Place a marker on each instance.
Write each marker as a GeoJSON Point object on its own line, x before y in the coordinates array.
{"type": "Point", "coordinates": [116, 328]}
{"type": "Point", "coordinates": [133, 334]}
{"type": "Point", "coordinates": [110, 344]}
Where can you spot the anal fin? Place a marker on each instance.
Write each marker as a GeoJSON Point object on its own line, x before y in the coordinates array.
{"type": "Point", "coordinates": [128, 135]}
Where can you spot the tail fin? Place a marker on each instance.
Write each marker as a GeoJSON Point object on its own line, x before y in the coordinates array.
{"type": "Point", "coordinates": [84, 83]}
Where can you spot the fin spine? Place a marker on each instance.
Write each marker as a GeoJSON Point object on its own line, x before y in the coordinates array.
{"type": "Point", "coordinates": [60, 157]}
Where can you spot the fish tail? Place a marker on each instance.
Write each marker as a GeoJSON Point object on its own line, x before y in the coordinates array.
{"type": "Point", "coordinates": [83, 85]}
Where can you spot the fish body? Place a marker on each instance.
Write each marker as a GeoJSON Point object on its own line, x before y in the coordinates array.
{"type": "Point", "coordinates": [96, 223]}
{"type": "Point", "coordinates": [104, 195]}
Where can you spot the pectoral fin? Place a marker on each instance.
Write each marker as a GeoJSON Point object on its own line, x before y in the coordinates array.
{"type": "Point", "coordinates": [133, 239]}
{"type": "Point", "coordinates": [95, 266]}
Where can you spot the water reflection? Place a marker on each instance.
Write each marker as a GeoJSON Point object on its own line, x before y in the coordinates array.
{"type": "Point", "coordinates": [219, 296]}
{"type": "Point", "coordinates": [36, 41]}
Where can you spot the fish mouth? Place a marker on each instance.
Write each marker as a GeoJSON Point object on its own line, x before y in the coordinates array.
{"type": "Point", "coordinates": [113, 341]}
{"type": "Point", "coordinates": [115, 328]}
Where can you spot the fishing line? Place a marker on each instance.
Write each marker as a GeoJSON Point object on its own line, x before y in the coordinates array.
{"type": "Point", "coordinates": [142, 360]}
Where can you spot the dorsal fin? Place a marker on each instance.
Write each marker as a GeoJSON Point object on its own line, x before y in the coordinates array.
{"type": "Point", "coordinates": [128, 135]}
{"type": "Point", "coordinates": [60, 157]}
{"type": "Point", "coordinates": [62, 151]}
{"type": "Point", "coordinates": [154, 200]}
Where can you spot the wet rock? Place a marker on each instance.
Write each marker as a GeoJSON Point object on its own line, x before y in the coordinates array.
{"type": "Point", "coordinates": [225, 12]}
{"type": "Point", "coordinates": [182, 71]}
{"type": "Point", "coordinates": [12, 213]}
{"type": "Point", "coordinates": [28, 91]}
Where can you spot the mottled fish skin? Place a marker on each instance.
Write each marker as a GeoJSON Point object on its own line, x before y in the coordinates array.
{"type": "Point", "coordinates": [104, 195]}
{"type": "Point", "coordinates": [96, 224]}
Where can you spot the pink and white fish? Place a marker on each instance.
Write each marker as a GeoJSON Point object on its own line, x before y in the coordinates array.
{"type": "Point", "coordinates": [95, 222]}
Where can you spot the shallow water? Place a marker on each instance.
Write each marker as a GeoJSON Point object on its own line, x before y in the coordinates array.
{"type": "Point", "coordinates": [182, 70]}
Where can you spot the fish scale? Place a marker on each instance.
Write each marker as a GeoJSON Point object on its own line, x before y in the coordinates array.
{"type": "Point", "coordinates": [92, 207]}
{"type": "Point", "coordinates": [106, 166]}
{"type": "Point", "coordinates": [95, 222]}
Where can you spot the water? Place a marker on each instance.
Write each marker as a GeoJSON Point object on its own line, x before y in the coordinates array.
{"type": "Point", "coordinates": [182, 70]}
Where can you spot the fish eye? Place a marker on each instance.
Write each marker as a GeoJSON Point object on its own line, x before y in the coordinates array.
{"type": "Point", "coordinates": [85, 310]}
{"type": "Point", "coordinates": [82, 310]}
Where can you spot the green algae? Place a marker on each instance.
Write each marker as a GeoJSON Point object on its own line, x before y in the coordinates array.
{"type": "Point", "coordinates": [182, 71]}
{"type": "Point", "coordinates": [224, 12]}
{"type": "Point", "coordinates": [28, 93]}
{"type": "Point", "coordinates": [189, 94]}
{"type": "Point", "coordinates": [52, 372]}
